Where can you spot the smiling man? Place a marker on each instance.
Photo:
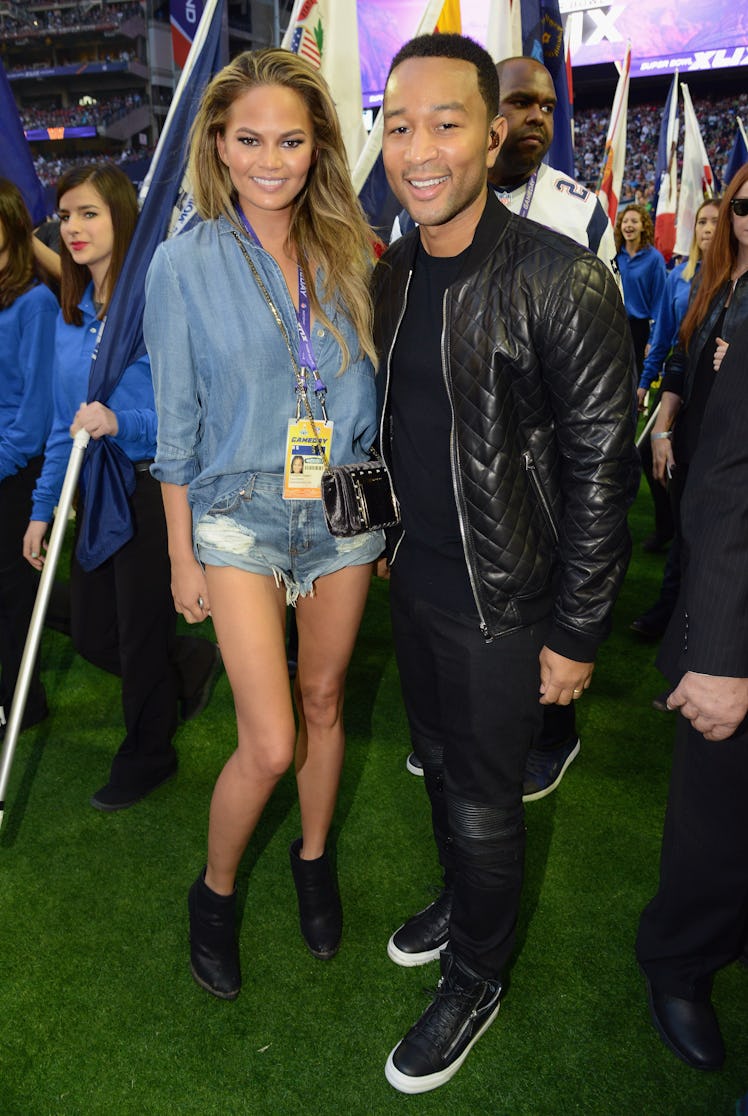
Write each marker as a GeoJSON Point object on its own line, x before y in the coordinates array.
{"type": "Point", "coordinates": [530, 188]}
{"type": "Point", "coordinates": [507, 393]}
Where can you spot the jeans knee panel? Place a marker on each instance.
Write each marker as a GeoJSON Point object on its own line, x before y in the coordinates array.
{"type": "Point", "coordinates": [481, 821]}
{"type": "Point", "coordinates": [491, 835]}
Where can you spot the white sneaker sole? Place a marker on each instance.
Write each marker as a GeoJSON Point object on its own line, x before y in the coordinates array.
{"type": "Point", "coordinates": [406, 1084]}
{"type": "Point", "coordinates": [550, 789]}
{"type": "Point", "coordinates": [409, 960]}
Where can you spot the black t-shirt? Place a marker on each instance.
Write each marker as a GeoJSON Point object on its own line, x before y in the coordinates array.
{"type": "Point", "coordinates": [431, 560]}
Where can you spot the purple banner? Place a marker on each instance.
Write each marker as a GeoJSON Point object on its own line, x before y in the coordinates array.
{"type": "Point", "coordinates": [60, 133]}
{"type": "Point", "coordinates": [76, 69]}
{"type": "Point", "coordinates": [665, 34]}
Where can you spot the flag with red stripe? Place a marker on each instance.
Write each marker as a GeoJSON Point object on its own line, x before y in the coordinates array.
{"type": "Point", "coordinates": [696, 179]}
{"type": "Point", "coordinates": [611, 179]}
{"type": "Point", "coordinates": [666, 174]}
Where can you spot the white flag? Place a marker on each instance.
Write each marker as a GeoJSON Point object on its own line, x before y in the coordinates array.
{"type": "Point", "coordinates": [611, 179]}
{"type": "Point", "coordinates": [325, 33]}
{"type": "Point", "coordinates": [696, 180]}
{"type": "Point", "coordinates": [504, 35]}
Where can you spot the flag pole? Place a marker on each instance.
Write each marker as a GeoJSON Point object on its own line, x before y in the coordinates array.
{"type": "Point", "coordinates": [34, 635]}
{"type": "Point", "coordinates": [648, 427]}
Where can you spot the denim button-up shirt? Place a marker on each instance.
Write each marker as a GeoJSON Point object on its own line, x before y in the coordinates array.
{"type": "Point", "coordinates": [225, 387]}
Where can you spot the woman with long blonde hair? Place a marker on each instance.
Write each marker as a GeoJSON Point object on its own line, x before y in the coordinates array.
{"type": "Point", "coordinates": [258, 324]}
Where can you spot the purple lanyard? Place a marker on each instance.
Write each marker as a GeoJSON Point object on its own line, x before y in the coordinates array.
{"type": "Point", "coordinates": [529, 191]}
{"type": "Point", "coordinates": [303, 324]}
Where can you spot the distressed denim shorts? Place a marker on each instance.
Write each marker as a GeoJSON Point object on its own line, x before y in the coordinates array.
{"type": "Point", "coordinates": [256, 530]}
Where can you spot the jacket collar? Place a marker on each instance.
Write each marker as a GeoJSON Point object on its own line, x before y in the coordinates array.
{"type": "Point", "coordinates": [490, 228]}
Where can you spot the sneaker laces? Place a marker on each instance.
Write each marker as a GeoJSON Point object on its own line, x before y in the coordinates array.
{"type": "Point", "coordinates": [447, 1011]}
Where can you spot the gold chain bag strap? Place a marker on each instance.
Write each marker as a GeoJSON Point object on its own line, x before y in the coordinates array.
{"type": "Point", "coordinates": [355, 498]}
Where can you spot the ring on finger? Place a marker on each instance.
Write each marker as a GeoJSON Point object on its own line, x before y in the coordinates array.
{"type": "Point", "coordinates": [200, 602]}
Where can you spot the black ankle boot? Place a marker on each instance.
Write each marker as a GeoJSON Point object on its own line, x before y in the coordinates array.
{"type": "Point", "coordinates": [320, 913]}
{"type": "Point", "coordinates": [214, 951]}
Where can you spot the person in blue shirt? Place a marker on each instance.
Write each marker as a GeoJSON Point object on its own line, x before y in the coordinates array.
{"type": "Point", "coordinates": [675, 296]}
{"type": "Point", "coordinates": [258, 324]}
{"type": "Point", "coordinates": [642, 270]}
{"type": "Point", "coordinates": [122, 617]}
{"type": "Point", "coordinates": [28, 311]}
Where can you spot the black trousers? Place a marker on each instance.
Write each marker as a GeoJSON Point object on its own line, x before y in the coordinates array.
{"type": "Point", "coordinates": [473, 713]}
{"type": "Point", "coordinates": [698, 920]}
{"type": "Point", "coordinates": [640, 336]}
{"type": "Point", "coordinates": [18, 585]}
{"type": "Point", "coordinates": [123, 620]}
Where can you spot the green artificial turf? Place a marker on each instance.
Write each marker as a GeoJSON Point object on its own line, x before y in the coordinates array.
{"type": "Point", "coordinates": [99, 1013]}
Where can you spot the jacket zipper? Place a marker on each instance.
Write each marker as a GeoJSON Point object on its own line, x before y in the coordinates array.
{"type": "Point", "coordinates": [459, 498]}
{"type": "Point", "coordinates": [532, 472]}
{"type": "Point", "coordinates": [382, 442]}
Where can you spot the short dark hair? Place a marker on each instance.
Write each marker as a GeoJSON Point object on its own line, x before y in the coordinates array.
{"type": "Point", "coordinates": [461, 49]}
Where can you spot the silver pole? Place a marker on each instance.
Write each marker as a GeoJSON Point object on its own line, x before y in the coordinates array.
{"type": "Point", "coordinates": [34, 635]}
{"type": "Point", "coordinates": [650, 423]}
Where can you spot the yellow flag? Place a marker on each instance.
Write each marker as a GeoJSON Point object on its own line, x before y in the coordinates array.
{"type": "Point", "coordinates": [449, 21]}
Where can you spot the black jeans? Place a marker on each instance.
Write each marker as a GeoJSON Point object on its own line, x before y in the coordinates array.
{"type": "Point", "coordinates": [474, 713]}
{"type": "Point", "coordinates": [18, 585]}
{"type": "Point", "coordinates": [698, 920]}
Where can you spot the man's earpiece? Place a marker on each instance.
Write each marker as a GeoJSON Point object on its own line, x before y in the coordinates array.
{"type": "Point", "coordinates": [494, 140]}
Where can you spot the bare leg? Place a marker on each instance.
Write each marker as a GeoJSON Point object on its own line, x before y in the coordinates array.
{"type": "Point", "coordinates": [328, 624]}
{"type": "Point", "coordinates": [249, 613]}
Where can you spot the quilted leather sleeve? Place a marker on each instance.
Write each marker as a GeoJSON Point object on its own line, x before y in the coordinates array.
{"type": "Point", "coordinates": [544, 384]}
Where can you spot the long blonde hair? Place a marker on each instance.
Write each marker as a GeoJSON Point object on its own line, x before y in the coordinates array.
{"type": "Point", "coordinates": [695, 253]}
{"type": "Point", "coordinates": [328, 228]}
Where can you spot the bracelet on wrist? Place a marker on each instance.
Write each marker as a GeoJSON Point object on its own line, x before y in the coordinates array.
{"type": "Point", "coordinates": [662, 434]}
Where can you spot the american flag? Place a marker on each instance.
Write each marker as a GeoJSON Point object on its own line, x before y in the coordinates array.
{"type": "Point", "coordinates": [308, 44]}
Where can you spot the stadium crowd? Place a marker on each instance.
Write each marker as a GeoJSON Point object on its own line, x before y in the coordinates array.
{"type": "Point", "coordinates": [72, 116]}
{"type": "Point", "coordinates": [20, 21]}
{"type": "Point", "coordinates": [716, 117]}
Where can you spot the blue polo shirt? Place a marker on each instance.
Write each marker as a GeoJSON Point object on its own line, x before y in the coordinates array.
{"type": "Point", "coordinates": [132, 402]}
{"type": "Point", "coordinates": [671, 312]}
{"type": "Point", "coordinates": [27, 333]}
{"type": "Point", "coordinates": [643, 277]}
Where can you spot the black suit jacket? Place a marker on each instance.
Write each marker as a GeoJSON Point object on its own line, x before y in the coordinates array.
{"type": "Point", "coordinates": [709, 630]}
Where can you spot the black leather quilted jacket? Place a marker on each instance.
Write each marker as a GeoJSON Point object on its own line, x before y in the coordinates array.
{"type": "Point", "coordinates": [539, 368]}
{"type": "Point", "coordinates": [680, 368]}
